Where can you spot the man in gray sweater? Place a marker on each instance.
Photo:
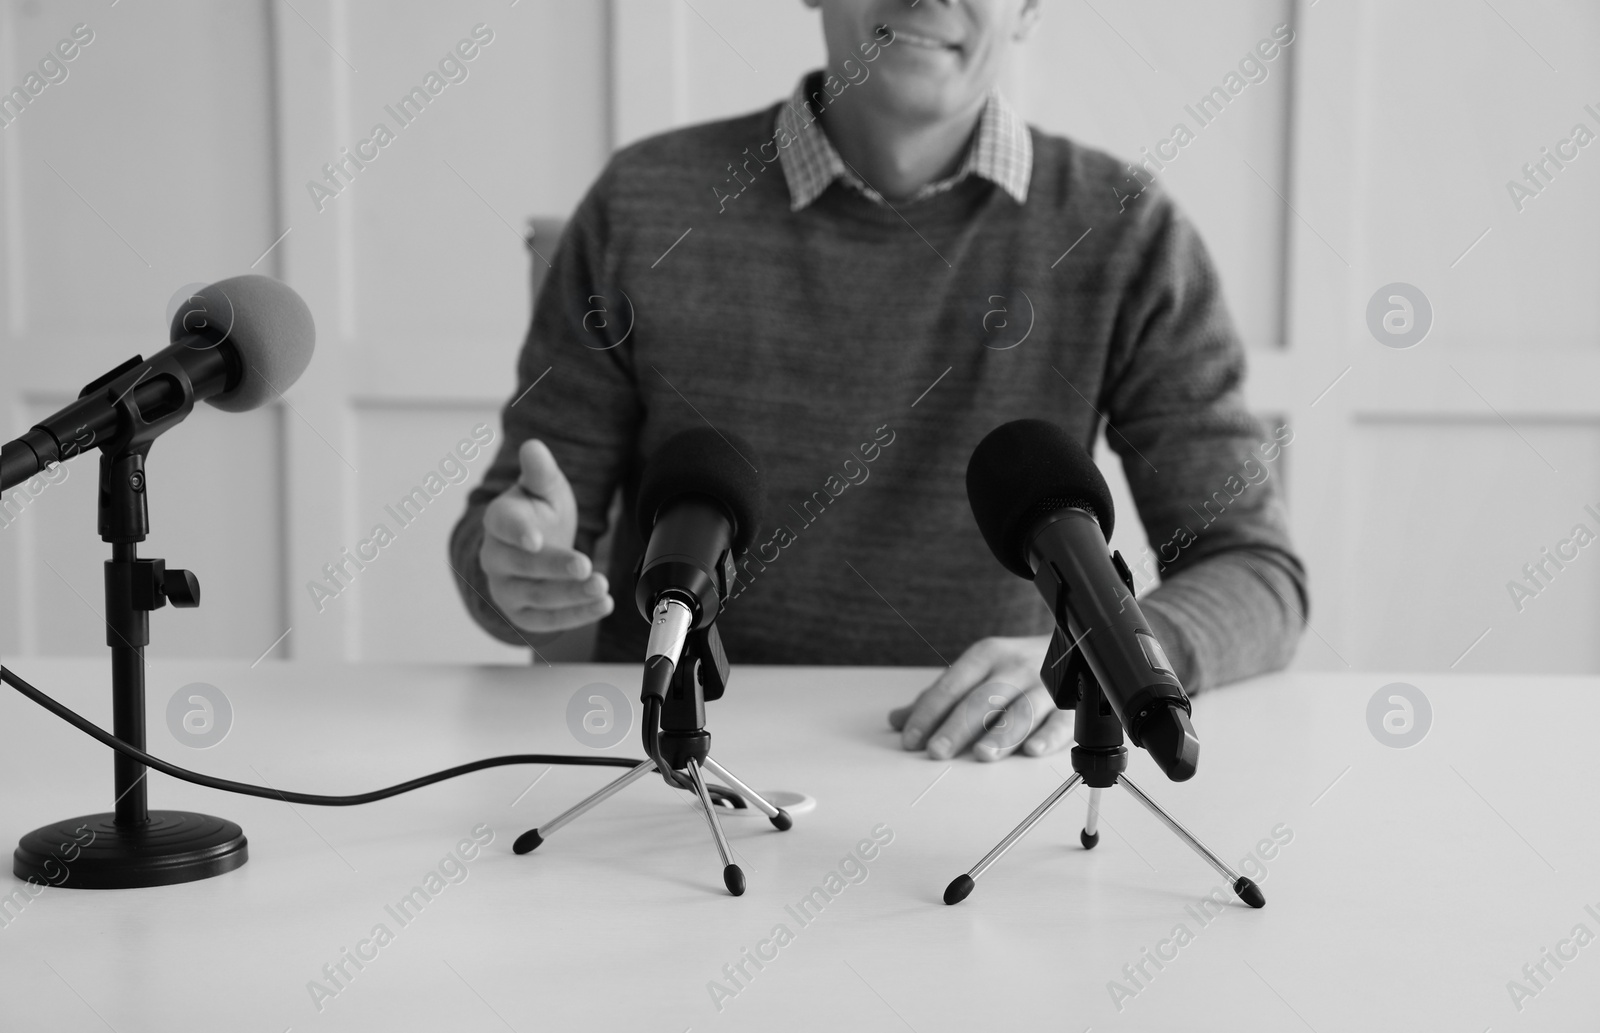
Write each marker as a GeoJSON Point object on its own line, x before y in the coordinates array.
{"type": "Point", "coordinates": [862, 281]}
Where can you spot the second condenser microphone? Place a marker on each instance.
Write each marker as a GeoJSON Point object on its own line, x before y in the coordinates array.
{"type": "Point", "coordinates": [1046, 514]}
{"type": "Point", "coordinates": [700, 500]}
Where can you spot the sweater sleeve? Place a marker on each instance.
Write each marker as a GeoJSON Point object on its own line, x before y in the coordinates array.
{"type": "Point", "coordinates": [575, 391]}
{"type": "Point", "coordinates": [1202, 470]}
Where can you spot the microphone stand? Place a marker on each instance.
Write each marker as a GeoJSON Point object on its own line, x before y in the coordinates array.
{"type": "Point", "coordinates": [683, 746]}
{"type": "Point", "coordinates": [133, 845]}
{"type": "Point", "coordinates": [1099, 760]}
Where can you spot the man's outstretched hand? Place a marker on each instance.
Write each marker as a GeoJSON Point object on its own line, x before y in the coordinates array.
{"type": "Point", "coordinates": [536, 578]}
{"type": "Point", "coordinates": [991, 699]}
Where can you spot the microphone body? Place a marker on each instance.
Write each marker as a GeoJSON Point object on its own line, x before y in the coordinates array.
{"type": "Point", "coordinates": [700, 500]}
{"type": "Point", "coordinates": [235, 344]}
{"type": "Point", "coordinates": [139, 395]}
{"type": "Point", "coordinates": [683, 577]}
{"type": "Point", "coordinates": [1046, 514]}
{"type": "Point", "coordinates": [1094, 606]}
{"type": "Point", "coordinates": [688, 559]}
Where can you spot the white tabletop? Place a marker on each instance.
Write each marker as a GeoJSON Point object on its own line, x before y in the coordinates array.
{"type": "Point", "coordinates": [1417, 883]}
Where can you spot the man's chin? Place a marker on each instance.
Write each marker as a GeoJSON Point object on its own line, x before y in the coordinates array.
{"type": "Point", "coordinates": [919, 96]}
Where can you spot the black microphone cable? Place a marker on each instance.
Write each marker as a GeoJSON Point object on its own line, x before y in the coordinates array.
{"type": "Point", "coordinates": [724, 796]}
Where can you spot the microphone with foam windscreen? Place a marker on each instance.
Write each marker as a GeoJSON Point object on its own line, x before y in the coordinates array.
{"type": "Point", "coordinates": [1045, 512]}
{"type": "Point", "coordinates": [236, 344]}
{"type": "Point", "coordinates": [700, 500]}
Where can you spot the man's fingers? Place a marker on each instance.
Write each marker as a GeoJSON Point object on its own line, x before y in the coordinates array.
{"type": "Point", "coordinates": [936, 701]}
{"type": "Point", "coordinates": [562, 619]}
{"type": "Point", "coordinates": [1052, 736]}
{"type": "Point", "coordinates": [984, 707]}
{"type": "Point", "coordinates": [540, 476]}
{"type": "Point", "coordinates": [1023, 714]}
{"type": "Point", "coordinates": [990, 694]}
{"type": "Point", "coordinates": [538, 508]}
{"type": "Point", "coordinates": [506, 560]}
{"type": "Point", "coordinates": [518, 521]}
{"type": "Point", "coordinates": [899, 715]}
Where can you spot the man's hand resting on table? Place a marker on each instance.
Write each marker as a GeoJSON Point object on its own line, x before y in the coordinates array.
{"type": "Point", "coordinates": [536, 578]}
{"type": "Point", "coordinates": [991, 698]}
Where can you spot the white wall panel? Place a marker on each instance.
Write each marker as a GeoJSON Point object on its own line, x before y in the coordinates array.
{"type": "Point", "coordinates": [130, 181]}
{"type": "Point", "coordinates": [1429, 464]}
{"type": "Point", "coordinates": [1458, 99]}
{"type": "Point", "coordinates": [1446, 512]}
{"type": "Point", "coordinates": [679, 63]}
{"type": "Point", "coordinates": [417, 270]}
{"type": "Point", "coordinates": [119, 185]}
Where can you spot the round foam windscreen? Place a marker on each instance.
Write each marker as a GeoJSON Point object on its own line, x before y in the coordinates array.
{"type": "Point", "coordinates": [1022, 471]}
{"type": "Point", "coordinates": [703, 461]}
{"type": "Point", "coordinates": [266, 321]}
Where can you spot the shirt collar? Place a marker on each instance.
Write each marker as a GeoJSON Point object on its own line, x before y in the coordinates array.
{"type": "Point", "coordinates": [1001, 151]}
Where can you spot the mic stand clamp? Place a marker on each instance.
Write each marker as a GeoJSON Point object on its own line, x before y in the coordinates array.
{"type": "Point", "coordinates": [1099, 761]}
{"type": "Point", "coordinates": [701, 675]}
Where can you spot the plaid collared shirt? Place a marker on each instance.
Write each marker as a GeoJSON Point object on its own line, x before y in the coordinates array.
{"type": "Point", "coordinates": [1001, 152]}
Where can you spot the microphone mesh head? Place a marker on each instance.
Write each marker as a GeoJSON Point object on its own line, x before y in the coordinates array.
{"type": "Point", "coordinates": [706, 462]}
{"type": "Point", "coordinates": [268, 324]}
{"type": "Point", "coordinates": [1023, 471]}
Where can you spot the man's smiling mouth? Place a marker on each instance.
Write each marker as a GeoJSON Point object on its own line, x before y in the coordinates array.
{"type": "Point", "coordinates": [920, 40]}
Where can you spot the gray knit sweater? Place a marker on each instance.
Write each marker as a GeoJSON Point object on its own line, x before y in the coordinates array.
{"type": "Point", "coordinates": [864, 352]}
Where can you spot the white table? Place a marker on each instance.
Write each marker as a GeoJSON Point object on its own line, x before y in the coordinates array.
{"type": "Point", "coordinates": [1411, 892]}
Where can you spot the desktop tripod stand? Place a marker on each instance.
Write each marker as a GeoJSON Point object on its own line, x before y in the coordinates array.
{"type": "Point", "coordinates": [680, 748]}
{"type": "Point", "coordinates": [1099, 760]}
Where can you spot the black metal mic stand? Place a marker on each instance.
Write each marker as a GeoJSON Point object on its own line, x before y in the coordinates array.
{"type": "Point", "coordinates": [133, 845]}
{"type": "Point", "coordinates": [1099, 760]}
{"type": "Point", "coordinates": [680, 747]}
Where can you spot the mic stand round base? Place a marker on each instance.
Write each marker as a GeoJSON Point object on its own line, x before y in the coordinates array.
{"type": "Point", "coordinates": [132, 845]}
{"type": "Point", "coordinates": [1099, 761]}
{"type": "Point", "coordinates": [93, 852]}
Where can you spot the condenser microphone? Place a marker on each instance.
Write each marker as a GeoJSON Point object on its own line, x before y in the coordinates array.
{"type": "Point", "coordinates": [1046, 514]}
{"type": "Point", "coordinates": [236, 344]}
{"type": "Point", "coordinates": [700, 500]}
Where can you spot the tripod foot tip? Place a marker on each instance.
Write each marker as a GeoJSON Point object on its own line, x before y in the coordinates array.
{"type": "Point", "coordinates": [1088, 839]}
{"type": "Point", "coordinates": [527, 842]}
{"type": "Point", "coordinates": [733, 878]}
{"type": "Point", "coordinates": [781, 821]}
{"type": "Point", "coordinates": [958, 889]}
{"type": "Point", "coordinates": [1249, 892]}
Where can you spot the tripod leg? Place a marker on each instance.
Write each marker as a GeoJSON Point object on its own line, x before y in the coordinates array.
{"type": "Point", "coordinates": [1245, 887]}
{"type": "Point", "coordinates": [962, 885]}
{"type": "Point", "coordinates": [1090, 834]}
{"type": "Point", "coordinates": [777, 815]}
{"type": "Point", "coordinates": [732, 877]}
{"type": "Point", "coordinates": [530, 839]}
